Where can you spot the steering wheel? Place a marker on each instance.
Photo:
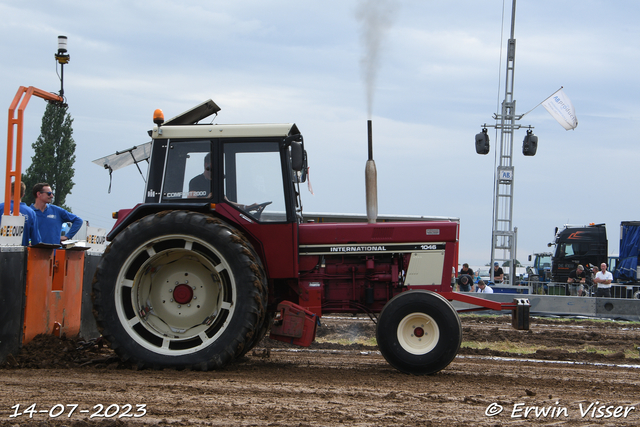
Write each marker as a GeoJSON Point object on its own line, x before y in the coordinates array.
{"type": "Point", "coordinates": [256, 209]}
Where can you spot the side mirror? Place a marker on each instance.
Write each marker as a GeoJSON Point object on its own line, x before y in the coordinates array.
{"type": "Point", "coordinates": [301, 175]}
{"type": "Point", "coordinates": [297, 156]}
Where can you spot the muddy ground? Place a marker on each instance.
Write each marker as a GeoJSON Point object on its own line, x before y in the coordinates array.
{"type": "Point", "coordinates": [579, 373]}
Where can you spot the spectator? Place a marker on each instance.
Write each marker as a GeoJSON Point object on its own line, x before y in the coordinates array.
{"type": "Point", "coordinates": [51, 217]}
{"type": "Point", "coordinates": [483, 288]}
{"type": "Point", "coordinates": [576, 280]}
{"type": "Point", "coordinates": [465, 279]}
{"type": "Point", "coordinates": [603, 282]}
{"type": "Point", "coordinates": [498, 274]}
{"type": "Point", "coordinates": [31, 235]}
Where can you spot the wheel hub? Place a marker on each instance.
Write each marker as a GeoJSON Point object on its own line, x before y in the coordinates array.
{"type": "Point", "coordinates": [182, 293]}
{"type": "Point", "coordinates": [418, 333]}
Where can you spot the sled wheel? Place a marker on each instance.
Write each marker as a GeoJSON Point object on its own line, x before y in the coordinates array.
{"type": "Point", "coordinates": [419, 332]}
{"type": "Point", "coordinates": [179, 289]}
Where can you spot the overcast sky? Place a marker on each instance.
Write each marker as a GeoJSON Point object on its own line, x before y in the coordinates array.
{"type": "Point", "coordinates": [438, 78]}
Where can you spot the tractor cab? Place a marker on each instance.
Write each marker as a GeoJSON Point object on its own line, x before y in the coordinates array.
{"type": "Point", "coordinates": [253, 168]}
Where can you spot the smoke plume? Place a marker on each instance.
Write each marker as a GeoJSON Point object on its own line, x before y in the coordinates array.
{"type": "Point", "coordinates": [375, 17]}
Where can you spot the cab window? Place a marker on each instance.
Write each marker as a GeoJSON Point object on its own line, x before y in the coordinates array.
{"type": "Point", "coordinates": [253, 179]}
{"type": "Point", "coordinates": [188, 171]}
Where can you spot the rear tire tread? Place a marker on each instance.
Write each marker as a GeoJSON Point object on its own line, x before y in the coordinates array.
{"type": "Point", "coordinates": [250, 291]}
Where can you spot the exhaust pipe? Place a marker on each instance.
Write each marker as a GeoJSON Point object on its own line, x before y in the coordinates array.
{"type": "Point", "coordinates": [371, 182]}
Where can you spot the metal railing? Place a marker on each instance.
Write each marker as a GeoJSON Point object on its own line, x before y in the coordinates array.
{"type": "Point", "coordinates": [629, 291]}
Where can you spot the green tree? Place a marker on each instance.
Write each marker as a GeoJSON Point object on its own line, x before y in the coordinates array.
{"type": "Point", "coordinates": [54, 155]}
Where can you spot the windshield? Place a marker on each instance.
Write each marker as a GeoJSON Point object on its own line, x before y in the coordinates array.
{"type": "Point", "coordinates": [570, 249]}
{"type": "Point", "coordinates": [544, 261]}
{"type": "Point", "coordinates": [253, 179]}
{"type": "Point", "coordinates": [484, 272]}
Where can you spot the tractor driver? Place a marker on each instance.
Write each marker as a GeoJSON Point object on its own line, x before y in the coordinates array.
{"type": "Point", "coordinates": [200, 185]}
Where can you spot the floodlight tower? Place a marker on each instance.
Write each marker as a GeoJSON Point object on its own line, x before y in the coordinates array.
{"type": "Point", "coordinates": [504, 235]}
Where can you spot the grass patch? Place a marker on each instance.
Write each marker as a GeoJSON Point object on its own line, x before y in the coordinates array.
{"type": "Point", "coordinates": [507, 318]}
{"type": "Point", "coordinates": [503, 346]}
{"type": "Point", "coordinates": [519, 348]}
{"type": "Point", "coordinates": [632, 353]}
{"type": "Point", "coordinates": [371, 342]}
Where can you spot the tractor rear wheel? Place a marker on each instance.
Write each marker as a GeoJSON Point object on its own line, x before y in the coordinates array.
{"type": "Point", "coordinates": [179, 289]}
{"type": "Point", "coordinates": [419, 332]}
{"type": "Point", "coordinates": [260, 333]}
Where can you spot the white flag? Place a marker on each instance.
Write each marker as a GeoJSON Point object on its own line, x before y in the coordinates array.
{"type": "Point", "coordinates": [560, 107]}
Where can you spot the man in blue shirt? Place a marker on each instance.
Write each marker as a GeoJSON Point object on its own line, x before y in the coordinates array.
{"type": "Point", "coordinates": [31, 234]}
{"type": "Point", "coordinates": [51, 217]}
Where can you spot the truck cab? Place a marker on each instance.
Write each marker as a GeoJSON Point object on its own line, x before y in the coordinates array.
{"type": "Point", "coordinates": [574, 244]}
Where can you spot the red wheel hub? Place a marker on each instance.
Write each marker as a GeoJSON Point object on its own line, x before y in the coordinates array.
{"type": "Point", "coordinates": [182, 294]}
{"type": "Point", "coordinates": [418, 332]}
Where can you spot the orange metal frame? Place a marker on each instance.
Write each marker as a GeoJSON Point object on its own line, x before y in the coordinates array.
{"type": "Point", "coordinates": [54, 278]}
{"type": "Point", "coordinates": [25, 94]}
{"type": "Point", "coordinates": [54, 293]}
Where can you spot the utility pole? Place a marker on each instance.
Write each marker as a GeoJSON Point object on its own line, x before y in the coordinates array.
{"type": "Point", "coordinates": [504, 235]}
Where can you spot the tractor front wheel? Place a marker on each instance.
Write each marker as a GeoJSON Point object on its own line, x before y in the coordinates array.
{"type": "Point", "coordinates": [419, 332]}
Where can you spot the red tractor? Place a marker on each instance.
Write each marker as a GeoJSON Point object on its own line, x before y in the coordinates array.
{"type": "Point", "coordinates": [220, 252]}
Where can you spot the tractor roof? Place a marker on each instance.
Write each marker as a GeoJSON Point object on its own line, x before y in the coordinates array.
{"type": "Point", "coordinates": [225, 131]}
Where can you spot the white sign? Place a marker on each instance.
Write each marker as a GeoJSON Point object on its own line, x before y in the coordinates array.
{"type": "Point", "coordinates": [97, 238]}
{"type": "Point", "coordinates": [11, 230]}
{"type": "Point", "coordinates": [505, 174]}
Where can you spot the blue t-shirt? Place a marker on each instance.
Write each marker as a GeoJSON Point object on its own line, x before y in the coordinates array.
{"type": "Point", "coordinates": [50, 223]}
{"type": "Point", "coordinates": [31, 234]}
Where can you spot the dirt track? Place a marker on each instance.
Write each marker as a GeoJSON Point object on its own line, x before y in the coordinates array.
{"type": "Point", "coordinates": [334, 384]}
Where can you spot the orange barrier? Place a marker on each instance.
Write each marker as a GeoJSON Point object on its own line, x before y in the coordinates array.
{"type": "Point", "coordinates": [53, 293]}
